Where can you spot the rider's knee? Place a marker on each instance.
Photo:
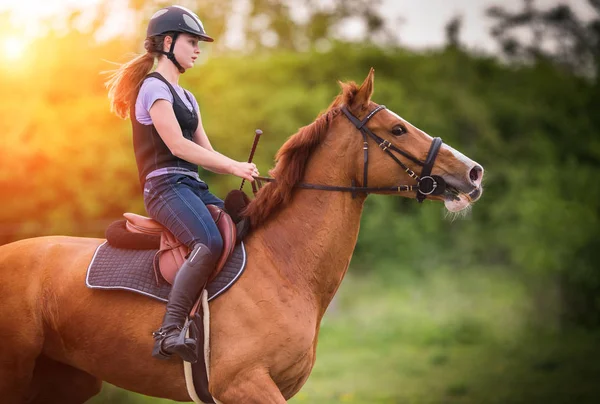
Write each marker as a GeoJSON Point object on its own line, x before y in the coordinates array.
{"type": "Point", "coordinates": [216, 244]}
{"type": "Point", "coordinates": [213, 242]}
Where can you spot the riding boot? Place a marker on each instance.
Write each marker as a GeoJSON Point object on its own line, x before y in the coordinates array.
{"type": "Point", "coordinates": [190, 280]}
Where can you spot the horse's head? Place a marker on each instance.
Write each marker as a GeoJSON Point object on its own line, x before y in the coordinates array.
{"type": "Point", "coordinates": [406, 155]}
{"type": "Point", "coordinates": [330, 155]}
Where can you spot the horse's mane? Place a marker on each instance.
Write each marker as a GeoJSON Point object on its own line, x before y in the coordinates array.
{"type": "Point", "coordinates": [291, 160]}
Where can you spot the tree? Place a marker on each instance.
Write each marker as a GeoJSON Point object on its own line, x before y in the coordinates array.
{"type": "Point", "coordinates": [557, 35]}
{"type": "Point", "coordinates": [298, 25]}
{"type": "Point", "coordinates": [453, 28]}
{"type": "Point", "coordinates": [267, 24]}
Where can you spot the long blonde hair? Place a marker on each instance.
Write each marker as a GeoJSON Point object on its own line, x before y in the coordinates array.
{"type": "Point", "coordinates": [124, 82]}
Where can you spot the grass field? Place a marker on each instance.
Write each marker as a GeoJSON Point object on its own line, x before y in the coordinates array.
{"type": "Point", "coordinates": [474, 336]}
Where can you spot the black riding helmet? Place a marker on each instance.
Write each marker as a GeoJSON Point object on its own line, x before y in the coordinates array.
{"type": "Point", "coordinates": [176, 19]}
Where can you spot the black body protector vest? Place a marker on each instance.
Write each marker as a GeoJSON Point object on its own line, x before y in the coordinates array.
{"type": "Point", "coordinates": [151, 152]}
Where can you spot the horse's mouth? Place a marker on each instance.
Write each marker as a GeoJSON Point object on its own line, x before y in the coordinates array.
{"type": "Point", "coordinates": [456, 200]}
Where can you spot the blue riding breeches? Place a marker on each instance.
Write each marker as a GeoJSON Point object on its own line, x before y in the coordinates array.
{"type": "Point", "coordinates": [178, 202]}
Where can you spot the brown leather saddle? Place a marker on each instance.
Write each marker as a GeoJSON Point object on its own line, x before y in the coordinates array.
{"type": "Point", "coordinates": [172, 252]}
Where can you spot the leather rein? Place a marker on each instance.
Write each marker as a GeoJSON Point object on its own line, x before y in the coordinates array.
{"type": "Point", "coordinates": [427, 184]}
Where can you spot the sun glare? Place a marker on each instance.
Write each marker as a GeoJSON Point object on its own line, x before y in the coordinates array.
{"type": "Point", "coordinates": [14, 48]}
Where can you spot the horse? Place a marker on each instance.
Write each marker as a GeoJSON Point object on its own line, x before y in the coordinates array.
{"type": "Point", "coordinates": [59, 339]}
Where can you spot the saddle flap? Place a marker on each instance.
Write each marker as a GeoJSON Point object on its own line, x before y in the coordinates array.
{"type": "Point", "coordinates": [172, 253]}
{"type": "Point", "coordinates": [142, 224]}
{"type": "Point", "coordinates": [228, 232]}
{"type": "Point", "coordinates": [170, 257]}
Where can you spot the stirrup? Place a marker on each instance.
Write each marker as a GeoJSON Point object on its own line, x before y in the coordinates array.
{"type": "Point", "coordinates": [182, 346]}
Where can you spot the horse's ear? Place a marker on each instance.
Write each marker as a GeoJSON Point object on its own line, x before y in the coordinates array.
{"type": "Point", "coordinates": [363, 96]}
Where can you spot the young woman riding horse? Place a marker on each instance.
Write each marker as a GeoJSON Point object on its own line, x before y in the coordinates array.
{"type": "Point", "coordinates": [60, 339]}
{"type": "Point", "coordinates": [170, 143]}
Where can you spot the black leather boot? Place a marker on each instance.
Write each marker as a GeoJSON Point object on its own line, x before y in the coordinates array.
{"type": "Point", "coordinates": [190, 280]}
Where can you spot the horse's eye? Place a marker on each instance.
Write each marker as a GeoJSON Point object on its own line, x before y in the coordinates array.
{"type": "Point", "coordinates": [398, 130]}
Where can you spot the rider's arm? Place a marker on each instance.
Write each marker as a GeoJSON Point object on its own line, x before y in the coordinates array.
{"type": "Point", "coordinates": [201, 138]}
{"type": "Point", "coordinates": [165, 122]}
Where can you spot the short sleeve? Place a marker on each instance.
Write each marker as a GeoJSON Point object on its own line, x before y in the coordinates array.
{"type": "Point", "coordinates": [152, 90]}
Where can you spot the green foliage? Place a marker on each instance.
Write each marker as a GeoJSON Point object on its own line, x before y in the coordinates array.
{"type": "Point", "coordinates": [446, 336]}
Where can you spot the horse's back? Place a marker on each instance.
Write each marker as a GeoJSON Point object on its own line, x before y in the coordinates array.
{"type": "Point", "coordinates": [29, 251]}
{"type": "Point", "coordinates": [25, 264]}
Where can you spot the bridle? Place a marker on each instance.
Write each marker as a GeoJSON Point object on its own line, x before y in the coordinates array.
{"type": "Point", "coordinates": [427, 184]}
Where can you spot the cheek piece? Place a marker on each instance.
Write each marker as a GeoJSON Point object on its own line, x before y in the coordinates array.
{"type": "Point", "coordinates": [171, 56]}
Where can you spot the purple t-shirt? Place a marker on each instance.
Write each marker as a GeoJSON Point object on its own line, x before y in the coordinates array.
{"type": "Point", "coordinates": [153, 89]}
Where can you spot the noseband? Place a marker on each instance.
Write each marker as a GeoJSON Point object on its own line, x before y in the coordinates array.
{"type": "Point", "coordinates": [427, 184]}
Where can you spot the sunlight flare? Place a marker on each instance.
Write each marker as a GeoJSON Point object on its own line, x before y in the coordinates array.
{"type": "Point", "coordinates": [13, 48]}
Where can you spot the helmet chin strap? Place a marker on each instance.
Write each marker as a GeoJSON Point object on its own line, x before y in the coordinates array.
{"type": "Point", "coordinates": [171, 56]}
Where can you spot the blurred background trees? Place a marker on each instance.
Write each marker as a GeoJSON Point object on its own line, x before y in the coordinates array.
{"type": "Point", "coordinates": [261, 25]}
{"type": "Point", "coordinates": [556, 34]}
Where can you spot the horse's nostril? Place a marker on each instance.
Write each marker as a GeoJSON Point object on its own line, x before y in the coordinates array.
{"type": "Point", "coordinates": [475, 174]}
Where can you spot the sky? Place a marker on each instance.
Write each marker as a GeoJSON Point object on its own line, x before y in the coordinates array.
{"type": "Point", "coordinates": [418, 23]}
{"type": "Point", "coordinates": [425, 19]}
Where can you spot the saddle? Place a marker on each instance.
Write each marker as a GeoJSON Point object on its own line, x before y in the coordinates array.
{"type": "Point", "coordinates": [172, 253]}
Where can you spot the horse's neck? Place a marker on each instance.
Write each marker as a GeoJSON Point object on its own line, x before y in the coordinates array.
{"type": "Point", "coordinates": [311, 241]}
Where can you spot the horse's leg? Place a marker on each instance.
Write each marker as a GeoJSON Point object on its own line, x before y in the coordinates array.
{"type": "Point", "coordinates": [249, 388]}
{"type": "Point", "coordinates": [16, 369]}
{"type": "Point", "coordinates": [21, 342]}
{"type": "Point", "coordinates": [55, 382]}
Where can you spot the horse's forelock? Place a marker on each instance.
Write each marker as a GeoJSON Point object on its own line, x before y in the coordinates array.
{"type": "Point", "coordinates": [349, 91]}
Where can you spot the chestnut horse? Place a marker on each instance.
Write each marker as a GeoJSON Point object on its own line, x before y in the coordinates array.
{"type": "Point", "coordinates": [59, 340]}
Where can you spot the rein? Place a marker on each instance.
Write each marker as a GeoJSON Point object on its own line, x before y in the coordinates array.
{"type": "Point", "coordinates": [427, 184]}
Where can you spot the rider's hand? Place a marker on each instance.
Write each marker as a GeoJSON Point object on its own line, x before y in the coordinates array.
{"type": "Point", "coordinates": [245, 170]}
